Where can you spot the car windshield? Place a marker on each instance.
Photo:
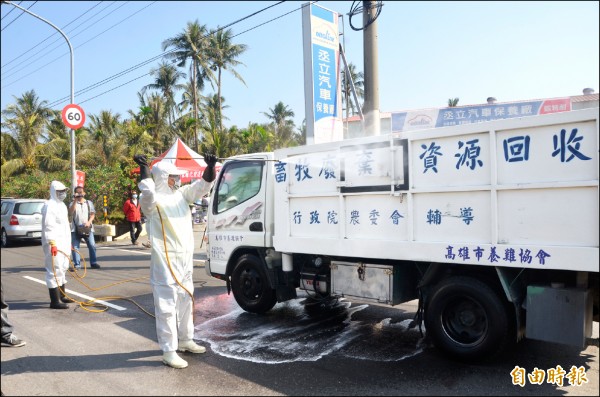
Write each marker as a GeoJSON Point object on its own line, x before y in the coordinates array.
{"type": "Point", "coordinates": [28, 208]}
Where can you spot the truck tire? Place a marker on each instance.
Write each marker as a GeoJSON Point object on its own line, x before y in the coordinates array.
{"type": "Point", "coordinates": [250, 285]}
{"type": "Point", "coordinates": [467, 319]}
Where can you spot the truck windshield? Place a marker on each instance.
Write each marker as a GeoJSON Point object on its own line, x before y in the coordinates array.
{"type": "Point", "coordinates": [239, 182]}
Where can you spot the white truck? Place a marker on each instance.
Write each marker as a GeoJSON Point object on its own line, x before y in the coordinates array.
{"type": "Point", "coordinates": [492, 226]}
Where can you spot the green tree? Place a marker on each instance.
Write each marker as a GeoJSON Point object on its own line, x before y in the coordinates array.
{"type": "Point", "coordinates": [25, 121]}
{"type": "Point", "coordinates": [137, 138]}
{"type": "Point", "coordinates": [256, 138]}
{"type": "Point", "coordinates": [280, 117]}
{"type": "Point", "coordinates": [152, 117]}
{"type": "Point", "coordinates": [452, 102]}
{"type": "Point", "coordinates": [192, 44]}
{"type": "Point", "coordinates": [223, 55]}
{"type": "Point", "coordinates": [301, 133]}
{"type": "Point", "coordinates": [56, 153]}
{"type": "Point", "coordinates": [105, 144]}
{"type": "Point", "coordinates": [347, 98]}
{"type": "Point", "coordinates": [166, 81]}
{"type": "Point", "coordinates": [215, 140]}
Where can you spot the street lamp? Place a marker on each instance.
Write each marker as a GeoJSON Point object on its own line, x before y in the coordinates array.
{"type": "Point", "coordinates": [73, 176]}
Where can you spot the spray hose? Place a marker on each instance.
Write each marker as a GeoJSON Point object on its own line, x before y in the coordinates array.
{"type": "Point", "coordinates": [85, 305]}
{"type": "Point", "coordinates": [171, 267]}
{"type": "Point", "coordinates": [102, 308]}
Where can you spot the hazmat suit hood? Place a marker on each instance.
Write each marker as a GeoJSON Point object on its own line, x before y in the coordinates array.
{"type": "Point", "coordinates": [160, 174]}
{"type": "Point", "coordinates": [54, 186]}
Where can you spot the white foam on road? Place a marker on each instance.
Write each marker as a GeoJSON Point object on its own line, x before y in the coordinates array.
{"type": "Point", "coordinates": [288, 333]}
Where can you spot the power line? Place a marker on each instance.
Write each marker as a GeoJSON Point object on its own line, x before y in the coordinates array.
{"type": "Point", "coordinates": [50, 50]}
{"type": "Point", "coordinates": [271, 20]}
{"type": "Point", "coordinates": [95, 85]}
{"type": "Point", "coordinates": [55, 59]}
{"type": "Point", "coordinates": [124, 72]}
{"type": "Point", "coordinates": [11, 10]}
{"type": "Point", "coordinates": [112, 89]}
{"type": "Point", "coordinates": [55, 33]}
{"type": "Point", "coordinates": [102, 82]}
{"type": "Point", "coordinates": [18, 16]}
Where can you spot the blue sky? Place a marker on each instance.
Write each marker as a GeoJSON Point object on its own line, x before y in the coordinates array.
{"type": "Point", "coordinates": [428, 51]}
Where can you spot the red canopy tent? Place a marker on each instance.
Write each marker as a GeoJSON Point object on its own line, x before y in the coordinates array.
{"type": "Point", "coordinates": [184, 158]}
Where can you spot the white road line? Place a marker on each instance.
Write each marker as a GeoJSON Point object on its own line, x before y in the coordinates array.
{"type": "Point", "coordinates": [70, 292]}
{"type": "Point", "coordinates": [139, 252]}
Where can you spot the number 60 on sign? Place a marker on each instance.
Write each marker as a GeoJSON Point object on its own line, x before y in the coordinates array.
{"type": "Point", "coordinates": [73, 116]}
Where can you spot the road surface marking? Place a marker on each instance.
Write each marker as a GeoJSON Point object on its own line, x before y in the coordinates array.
{"type": "Point", "coordinates": [70, 292]}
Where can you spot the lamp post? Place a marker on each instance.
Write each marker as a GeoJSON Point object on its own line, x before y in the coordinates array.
{"type": "Point", "coordinates": [73, 176]}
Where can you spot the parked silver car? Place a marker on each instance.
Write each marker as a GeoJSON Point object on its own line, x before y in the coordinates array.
{"type": "Point", "coordinates": [21, 219]}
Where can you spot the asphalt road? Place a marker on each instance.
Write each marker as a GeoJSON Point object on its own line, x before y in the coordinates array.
{"type": "Point", "coordinates": [353, 349]}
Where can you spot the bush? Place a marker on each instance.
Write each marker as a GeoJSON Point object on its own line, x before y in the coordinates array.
{"type": "Point", "coordinates": [113, 181]}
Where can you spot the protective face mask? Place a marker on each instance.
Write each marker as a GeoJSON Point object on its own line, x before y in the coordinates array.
{"type": "Point", "coordinates": [62, 195]}
{"type": "Point", "coordinates": [134, 196]}
{"type": "Point", "coordinates": [177, 180]}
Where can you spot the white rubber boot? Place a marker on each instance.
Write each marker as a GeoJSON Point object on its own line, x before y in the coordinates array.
{"type": "Point", "coordinates": [173, 360]}
{"type": "Point", "coordinates": [190, 346]}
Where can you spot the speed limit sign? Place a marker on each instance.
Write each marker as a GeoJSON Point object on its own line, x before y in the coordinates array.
{"type": "Point", "coordinates": [73, 116]}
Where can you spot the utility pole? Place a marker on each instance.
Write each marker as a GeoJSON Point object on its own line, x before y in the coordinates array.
{"type": "Point", "coordinates": [371, 67]}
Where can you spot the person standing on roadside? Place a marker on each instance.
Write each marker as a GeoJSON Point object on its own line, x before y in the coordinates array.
{"type": "Point", "coordinates": [56, 236]}
{"type": "Point", "coordinates": [82, 213]}
{"type": "Point", "coordinates": [131, 208]}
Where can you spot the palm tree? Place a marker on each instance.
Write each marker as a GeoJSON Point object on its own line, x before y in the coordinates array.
{"type": "Point", "coordinates": [187, 99]}
{"type": "Point", "coordinates": [25, 121]}
{"type": "Point", "coordinates": [223, 144]}
{"type": "Point", "coordinates": [256, 138]}
{"type": "Point", "coordinates": [56, 151]}
{"type": "Point", "coordinates": [105, 141]}
{"type": "Point", "coordinates": [152, 116]}
{"type": "Point", "coordinates": [215, 140]}
{"type": "Point", "coordinates": [301, 134]}
{"type": "Point", "coordinates": [452, 102]}
{"type": "Point", "coordinates": [137, 138]}
{"type": "Point", "coordinates": [223, 56]}
{"type": "Point", "coordinates": [8, 148]}
{"type": "Point", "coordinates": [280, 117]}
{"type": "Point", "coordinates": [358, 79]}
{"type": "Point", "coordinates": [166, 77]}
{"type": "Point", "coordinates": [193, 44]}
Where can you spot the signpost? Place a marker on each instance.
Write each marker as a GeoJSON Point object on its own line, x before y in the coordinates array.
{"type": "Point", "coordinates": [73, 116]}
{"type": "Point", "coordinates": [322, 88]}
{"type": "Point", "coordinates": [80, 177]}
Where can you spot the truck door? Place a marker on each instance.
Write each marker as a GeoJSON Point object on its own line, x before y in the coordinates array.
{"type": "Point", "coordinates": [237, 214]}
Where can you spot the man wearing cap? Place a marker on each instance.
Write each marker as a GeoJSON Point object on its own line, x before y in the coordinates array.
{"type": "Point", "coordinates": [166, 205]}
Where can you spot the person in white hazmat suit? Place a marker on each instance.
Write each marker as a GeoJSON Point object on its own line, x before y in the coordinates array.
{"type": "Point", "coordinates": [56, 236]}
{"type": "Point", "coordinates": [166, 206]}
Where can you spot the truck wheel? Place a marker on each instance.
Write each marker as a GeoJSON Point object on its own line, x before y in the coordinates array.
{"type": "Point", "coordinates": [466, 318]}
{"type": "Point", "coordinates": [250, 285]}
